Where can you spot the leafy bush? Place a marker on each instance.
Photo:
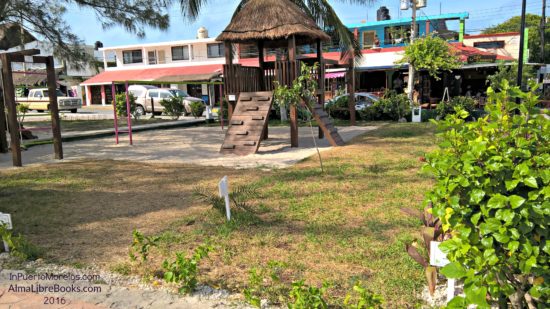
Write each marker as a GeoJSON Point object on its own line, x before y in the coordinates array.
{"type": "Point", "coordinates": [19, 246]}
{"type": "Point", "coordinates": [240, 197]}
{"type": "Point", "coordinates": [197, 108]}
{"type": "Point", "coordinates": [173, 107]}
{"type": "Point", "coordinates": [493, 194]}
{"type": "Point", "coordinates": [464, 103]}
{"type": "Point", "coordinates": [393, 106]}
{"type": "Point", "coordinates": [141, 245]}
{"type": "Point", "coordinates": [363, 299]}
{"type": "Point", "coordinates": [339, 108]}
{"type": "Point", "coordinates": [184, 270]}
{"type": "Point", "coordinates": [121, 105]}
{"type": "Point", "coordinates": [307, 297]}
{"type": "Point", "coordinates": [264, 282]}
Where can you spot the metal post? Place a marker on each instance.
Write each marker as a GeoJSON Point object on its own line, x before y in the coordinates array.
{"type": "Point", "coordinates": [521, 44]}
{"type": "Point", "coordinates": [113, 94]}
{"type": "Point", "coordinates": [128, 115]}
{"type": "Point", "coordinates": [410, 86]}
{"type": "Point", "coordinates": [54, 109]}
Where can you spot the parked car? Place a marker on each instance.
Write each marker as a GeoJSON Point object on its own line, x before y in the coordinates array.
{"type": "Point", "coordinates": [39, 100]}
{"type": "Point", "coordinates": [362, 100]}
{"type": "Point", "coordinates": [140, 93]}
{"type": "Point", "coordinates": [187, 99]}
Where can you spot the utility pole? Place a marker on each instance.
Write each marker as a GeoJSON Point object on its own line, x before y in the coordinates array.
{"type": "Point", "coordinates": [542, 32]}
{"type": "Point", "coordinates": [410, 84]}
{"type": "Point", "coordinates": [521, 44]}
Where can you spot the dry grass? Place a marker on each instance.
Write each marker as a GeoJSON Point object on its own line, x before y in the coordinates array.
{"type": "Point", "coordinates": [339, 226]}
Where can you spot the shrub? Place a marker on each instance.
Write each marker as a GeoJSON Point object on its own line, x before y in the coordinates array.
{"type": "Point", "coordinates": [339, 108]}
{"type": "Point", "coordinates": [197, 108]}
{"type": "Point", "coordinates": [363, 299]}
{"type": "Point", "coordinates": [493, 194]}
{"type": "Point", "coordinates": [19, 246]}
{"type": "Point", "coordinates": [393, 106]}
{"type": "Point", "coordinates": [465, 103]}
{"type": "Point", "coordinates": [120, 100]}
{"type": "Point", "coordinates": [184, 270]}
{"type": "Point", "coordinates": [173, 107]}
{"type": "Point", "coordinates": [240, 198]}
{"type": "Point", "coordinates": [141, 245]}
{"type": "Point", "coordinates": [307, 297]}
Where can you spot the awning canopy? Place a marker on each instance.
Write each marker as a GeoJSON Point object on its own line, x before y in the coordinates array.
{"type": "Point", "coordinates": [172, 74]}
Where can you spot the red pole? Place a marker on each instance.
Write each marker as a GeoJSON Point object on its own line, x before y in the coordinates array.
{"type": "Point", "coordinates": [221, 106]}
{"type": "Point", "coordinates": [113, 92]}
{"type": "Point", "coordinates": [128, 115]}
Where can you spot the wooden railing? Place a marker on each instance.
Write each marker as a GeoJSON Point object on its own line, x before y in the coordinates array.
{"type": "Point", "coordinates": [238, 78]}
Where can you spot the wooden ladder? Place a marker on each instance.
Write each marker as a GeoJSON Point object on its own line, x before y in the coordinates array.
{"type": "Point", "coordinates": [248, 123]}
{"type": "Point", "coordinates": [325, 123]}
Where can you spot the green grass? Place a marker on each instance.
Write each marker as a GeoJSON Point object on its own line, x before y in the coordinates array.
{"type": "Point", "coordinates": [339, 226]}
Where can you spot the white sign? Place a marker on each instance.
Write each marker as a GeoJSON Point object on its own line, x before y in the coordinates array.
{"type": "Point", "coordinates": [232, 97]}
{"type": "Point", "coordinates": [417, 114]}
{"type": "Point", "coordinates": [224, 192]}
{"type": "Point", "coordinates": [437, 257]}
{"type": "Point", "coordinates": [6, 220]}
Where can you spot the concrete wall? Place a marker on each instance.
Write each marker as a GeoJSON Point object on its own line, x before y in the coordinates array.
{"type": "Point", "coordinates": [511, 44]}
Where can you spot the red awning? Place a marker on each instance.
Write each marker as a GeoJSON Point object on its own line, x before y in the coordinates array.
{"type": "Point", "coordinates": [153, 74]}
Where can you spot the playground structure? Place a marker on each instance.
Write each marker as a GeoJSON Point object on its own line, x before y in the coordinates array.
{"type": "Point", "coordinates": [270, 24]}
{"type": "Point", "coordinates": [8, 103]}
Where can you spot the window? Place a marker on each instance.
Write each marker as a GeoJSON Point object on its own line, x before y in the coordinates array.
{"type": "Point", "coordinates": [153, 94]}
{"type": "Point", "coordinates": [215, 50]}
{"type": "Point", "coordinates": [152, 57]}
{"type": "Point", "coordinates": [398, 34]}
{"type": "Point", "coordinates": [369, 38]}
{"type": "Point", "coordinates": [132, 56]}
{"type": "Point", "coordinates": [165, 95]}
{"type": "Point", "coordinates": [180, 53]}
{"type": "Point", "coordinates": [489, 45]}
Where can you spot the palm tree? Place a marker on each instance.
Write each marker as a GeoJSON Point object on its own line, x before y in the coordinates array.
{"type": "Point", "coordinates": [320, 10]}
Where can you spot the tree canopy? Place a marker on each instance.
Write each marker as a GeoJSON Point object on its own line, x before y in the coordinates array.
{"type": "Point", "coordinates": [432, 54]}
{"type": "Point", "coordinates": [44, 18]}
{"type": "Point", "coordinates": [532, 22]}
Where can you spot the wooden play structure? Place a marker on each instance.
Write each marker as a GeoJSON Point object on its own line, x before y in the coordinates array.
{"type": "Point", "coordinates": [8, 102]}
{"type": "Point", "coordinates": [269, 25]}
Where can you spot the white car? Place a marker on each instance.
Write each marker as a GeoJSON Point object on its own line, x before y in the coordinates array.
{"type": "Point", "coordinates": [362, 100]}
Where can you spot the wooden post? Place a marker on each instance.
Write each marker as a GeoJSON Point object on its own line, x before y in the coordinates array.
{"type": "Point", "coordinates": [3, 132]}
{"type": "Point", "coordinates": [351, 90]}
{"type": "Point", "coordinates": [228, 51]}
{"type": "Point", "coordinates": [261, 62]}
{"type": "Point", "coordinates": [54, 110]}
{"type": "Point", "coordinates": [321, 79]}
{"type": "Point", "coordinates": [9, 101]}
{"type": "Point", "coordinates": [293, 111]}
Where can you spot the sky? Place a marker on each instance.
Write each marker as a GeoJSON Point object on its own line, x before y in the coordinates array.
{"type": "Point", "coordinates": [217, 13]}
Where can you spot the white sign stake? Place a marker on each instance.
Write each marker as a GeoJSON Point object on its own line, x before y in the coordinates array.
{"type": "Point", "coordinates": [6, 220]}
{"type": "Point", "coordinates": [439, 259]}
{"type": "Point", "coordinates": [224, 192]}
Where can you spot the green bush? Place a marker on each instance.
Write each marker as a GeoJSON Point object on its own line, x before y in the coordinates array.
{"type": "Point", "coordinates": [362, 298]}
{"type": "Point", "coordinates": [393, 106]}
{"type": "Point", "coordinates": [493, 194]}
{"type": "Point", "coordinates": [370, 113]}
{"type": "Point", "coordinates": [307, 297]}
{"type": "Point", "coordinates": [19, 246]}
{"type": "Point", "coordinates": [121, 105]}
{"type": "Point", "coordinates": [173, 107]}
{"type": "Point", "coordinates": [141, 245]}
{"type": "Point", "coordinates": [464, 103]}
{"type": "Point", "coordinates": [184, 270]}
{"type": "Point", "coordinates": [339, 108]}
{"type": "Point", "coordinates": [197, 108]}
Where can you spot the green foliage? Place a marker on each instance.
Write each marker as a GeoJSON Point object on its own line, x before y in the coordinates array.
{"type": "Point", "coordinates": [173, 107]}
{"type": "Point", "coordinates": [510, 74]}
{"type": "Point", "coordinates": [197, 108]}
{"type": "Point", "coordinates": [22, 110]}
{"type": "Point", "coordinates": [463, 103]}
{"type": "Point", "coordinates": [339, 108]}
{"type": "Point", "coordinates": [19, 246]}
{"type": "Point", "coordinates": [141, 245]}
{"type": "Point", "coordinates": [392, 106]}
{"type": "Point", "coordinates": [307, 297]}
{"type": "Point", "coordinates": [493, 193]}
{"type": "Point", "coordinates": [363, 298]}
{"type": "Point", "coordinates": [432, 54]}
{"type": "Point", "coordinates": [303, 88]}
{"type": "Point", "coordinates": [240, 197]}
{"type": "Point", "coordinates": [532, 22]}
{"type": "Point", "coordinates": [121, 109]}
{"type": "Point", "coordinates": [184, 270]}
{"type": "Point", "coordinates": [264, 282]}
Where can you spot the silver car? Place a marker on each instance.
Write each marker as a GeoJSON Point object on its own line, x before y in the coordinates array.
{"type": "Point", "coordinates": [187, 100]}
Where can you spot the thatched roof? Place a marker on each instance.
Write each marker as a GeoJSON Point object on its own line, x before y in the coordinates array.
{"type": "Point", "coordinates": [10, 36]}
{"type": "Point", "coordinates": [271, 20]}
